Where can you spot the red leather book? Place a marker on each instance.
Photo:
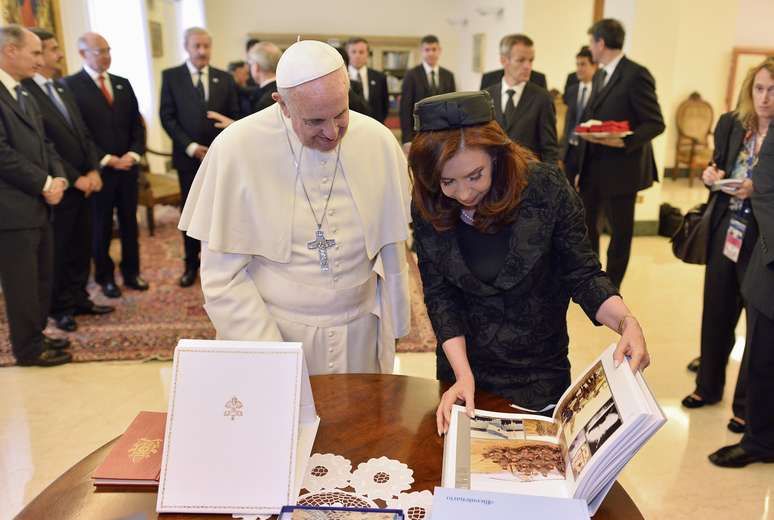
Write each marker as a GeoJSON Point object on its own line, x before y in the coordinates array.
{"type": "Point", "coordinates": [135, 459]}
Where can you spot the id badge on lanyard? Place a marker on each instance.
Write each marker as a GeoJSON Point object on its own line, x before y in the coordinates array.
{"type": "Point", "coordinates": [734, 239]}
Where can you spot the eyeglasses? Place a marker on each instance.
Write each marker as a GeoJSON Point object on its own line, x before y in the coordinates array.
{"type": "Point", "coordinates": [99, 52]}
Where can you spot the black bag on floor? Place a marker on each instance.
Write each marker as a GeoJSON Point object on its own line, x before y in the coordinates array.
{"type": "Point", "coordinates": [669, 220]}
{"type": "Point", "coordinates": [689, 243]}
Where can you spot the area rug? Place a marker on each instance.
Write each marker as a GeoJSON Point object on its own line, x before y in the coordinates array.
{"type": "Point", "coordinates": [147, 325]}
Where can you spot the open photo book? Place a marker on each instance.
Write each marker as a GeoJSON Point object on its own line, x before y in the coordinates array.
{"type": "Point", "coordinates": [598, 425]}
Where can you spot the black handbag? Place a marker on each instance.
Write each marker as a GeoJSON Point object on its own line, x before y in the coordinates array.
{"type": "Point", "coordinates": [689, 243]}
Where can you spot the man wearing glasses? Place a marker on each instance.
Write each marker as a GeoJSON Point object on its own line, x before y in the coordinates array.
{"type": "Point", "coordinates": [110, 110]}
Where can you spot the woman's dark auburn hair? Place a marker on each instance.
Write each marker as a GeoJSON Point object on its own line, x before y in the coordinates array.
{"type": "Point", "coordinates": [430, 151]}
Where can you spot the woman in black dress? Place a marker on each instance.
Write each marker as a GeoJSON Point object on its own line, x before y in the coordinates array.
{"type": "Point", "coordinates": [502, 246]}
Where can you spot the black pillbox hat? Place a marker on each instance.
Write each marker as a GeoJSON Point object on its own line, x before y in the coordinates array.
{"type": "Point", "coordinates": [453, 110]}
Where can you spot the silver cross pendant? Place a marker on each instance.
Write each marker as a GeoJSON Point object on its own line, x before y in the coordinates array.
{"type": "Point", "coordinates": [321, 244]}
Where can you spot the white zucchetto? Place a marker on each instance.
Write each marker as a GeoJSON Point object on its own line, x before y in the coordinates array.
{"type": "Point", "coordinates": [305, 61]}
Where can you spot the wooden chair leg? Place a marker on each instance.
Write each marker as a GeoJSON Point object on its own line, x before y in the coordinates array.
{"type": "Point", "coordinates": [151, 222]}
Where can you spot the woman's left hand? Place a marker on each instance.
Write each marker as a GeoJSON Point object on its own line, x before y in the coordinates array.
{"type": "Point", "coordinates": [632, 344]}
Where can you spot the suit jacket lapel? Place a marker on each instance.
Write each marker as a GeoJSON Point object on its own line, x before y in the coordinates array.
{"type": "Point", "coordinates": [8, 98]}
{"type": "Point", "coordinates": [53, 108]}
{"type": "Point", "coordinates": [525, 101]}
{"type": "Point", "coordinates": [92, 85]}
{"type": "Point", "coordinates": [735, 143]}
{"type": "Point", "coordinates": [423, 79]}
{"type": "Point", "coordinates": [214, 86]}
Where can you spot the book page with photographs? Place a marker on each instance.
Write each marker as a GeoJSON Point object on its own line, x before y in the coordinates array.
{"type": "Point", "coordinates": [496, 450]}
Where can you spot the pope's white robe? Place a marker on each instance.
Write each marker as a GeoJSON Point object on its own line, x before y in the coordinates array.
{"type": "Point", "coordinates": [259, 278]}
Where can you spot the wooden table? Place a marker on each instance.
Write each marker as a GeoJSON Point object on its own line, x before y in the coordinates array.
{"type": "Point", "coordinates": [362, 416]}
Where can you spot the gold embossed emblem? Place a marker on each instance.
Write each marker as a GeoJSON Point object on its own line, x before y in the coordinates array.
{"type": "Point", "coordinates": [233, 408]}
{"type": "Point", "coordinates": [143, 449]}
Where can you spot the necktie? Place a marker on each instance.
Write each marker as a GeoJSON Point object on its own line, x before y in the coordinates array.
{"type": "Point", "coordinates": [58, 102]}
{"type": "Point", "coordinates": [510, 108]}
{"type": "Point", "coordinates": [104, 89]}
{"type": "Point", "coordinates": [602, 78]}
{"type": "Point", "coordinates": [578, 115]}
{"type": "Point", "coordinates": [362, 82]}
{"type": "Point", "coordinates": [433, 83]}
{"type": "Point", "coordinates": [200, 85]}
{"type": "Point", "coordinates": [20, 99]}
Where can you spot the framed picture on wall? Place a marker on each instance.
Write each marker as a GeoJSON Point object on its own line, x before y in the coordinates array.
{"type": "Point", "coordinates": [156, 40]}
{"type": "Point", "coordinates": [479, 48]}
{"type": "Point", "coordinates": [742, 60]}
{"type": "Point", "coordinates": [35, 13]}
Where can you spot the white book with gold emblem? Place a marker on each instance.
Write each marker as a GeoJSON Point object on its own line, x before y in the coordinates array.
{"type": "Point", "coordinates": [240, 428]}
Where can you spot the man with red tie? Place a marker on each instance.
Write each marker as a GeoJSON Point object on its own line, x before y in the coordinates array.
{"type": "Point", "coordinates": [111, 113]}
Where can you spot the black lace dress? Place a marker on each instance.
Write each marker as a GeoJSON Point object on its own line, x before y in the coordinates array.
{"type": "Point", "coordinates": [515, 323]}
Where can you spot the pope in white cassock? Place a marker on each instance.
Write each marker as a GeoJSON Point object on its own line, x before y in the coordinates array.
{"type": "Point", "coordinates": [303, 211]}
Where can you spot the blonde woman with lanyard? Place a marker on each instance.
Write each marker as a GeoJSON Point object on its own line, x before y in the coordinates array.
{"type": "Point", "coordinates": [738, 138]}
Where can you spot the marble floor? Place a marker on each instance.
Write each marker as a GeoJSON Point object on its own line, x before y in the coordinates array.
{"type": "Point", "coordinates": [51, 418]}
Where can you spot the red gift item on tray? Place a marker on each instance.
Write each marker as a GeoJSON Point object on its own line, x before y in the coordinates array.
{"type": "Point", "coordinates": [593, 126]}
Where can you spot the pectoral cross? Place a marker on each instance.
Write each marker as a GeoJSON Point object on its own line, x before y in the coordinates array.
{"type": "Point", "coordinates": [321, 244]}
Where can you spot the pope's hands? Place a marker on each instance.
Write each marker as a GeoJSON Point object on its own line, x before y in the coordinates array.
{"type": "Point", "coordinates": [632, 344]}
{"type": "Point", "coordinates": [462, 390]}
{"type": "Point", "coordinates": [221, 121]}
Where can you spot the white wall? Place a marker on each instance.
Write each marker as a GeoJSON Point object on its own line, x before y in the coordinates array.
{"type": "Point", "coordinates": [754, 24]}
{"type": "Point", "coordinates": [230, 21]}
{"type": "Point", "coordinates": [558, 33]}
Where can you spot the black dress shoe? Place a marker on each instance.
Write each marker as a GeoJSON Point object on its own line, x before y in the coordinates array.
{"type": "Point", "coordinates": [691, 402]}
{"type": "Point", "coordinates": [66, 323]}
{"type": "Point", "coordinates": [55, 343]}
{"type": "Point", "coordinates": [693, 366]}
{"type": "Point", "coordinates": [111, 290]}
{"type": "Point", "coordinates": [47, 358]}
{"type": "Point", "coordinates": [188, 278]}
{"type": "Point", "coordinates": [735, 425]}
{"type": "Point", "coordinates": [735, 456]}
{"type": "Point", "coordinates": [136, 283]}
{"type": "Point", "coordinates": [94, 309]}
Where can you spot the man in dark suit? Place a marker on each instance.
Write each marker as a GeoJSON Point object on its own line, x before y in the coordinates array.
{"type": "Point", "coordinates": [494, 77]}
{"type": "Point", "coordinates": [31, 180]}
{"type": "Point", "coordinates": [576, 97]}
{"type": "Point", "coordinates": [374, 82]}
{"type": "Point", "coordinates": [65, 128]}
{"type": "Point", "coordinates": [188, 92]}
{"type": "Point", "coordinates": [240, 71]}
{"type": "Point", "coordinates": [425, 80]}
{"type": "Point", "coordinates": [525, 111]}
{"type": "Point", "coordinates": [262, 59]}
{"type": "Point", "coordinates": [613, 170]}
{"type": "Point", "coordinates": [757, 444]}
{"type": "Point", "coordinates": [111, 113]}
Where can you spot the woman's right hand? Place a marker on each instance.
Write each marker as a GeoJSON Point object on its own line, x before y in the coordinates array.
{"type": "Point", "coordinates": [711, 175]}
{"type": "Point", "coordinates": [463, 390]}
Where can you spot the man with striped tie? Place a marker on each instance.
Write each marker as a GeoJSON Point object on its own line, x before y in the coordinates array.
{"type": "Point", "coordinates": [66, 130]}
{"type": "Point", "coordinates": [576, 96]}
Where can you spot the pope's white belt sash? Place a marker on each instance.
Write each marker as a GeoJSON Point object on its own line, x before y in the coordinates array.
{"type": "Point", "coordinates": [311, 305]}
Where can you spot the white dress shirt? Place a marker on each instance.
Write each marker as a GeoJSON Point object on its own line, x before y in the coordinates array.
{"type": "Point", "coordinates": [360, 74]}
{"type": "Point", "coordinates": [429, 69]}
{"type": "Point", "coordinates": [505, 87]}
{"type": "Point", "coordinates": [610, 68]}
{"type": "Point", "coordinates": [195, 77]}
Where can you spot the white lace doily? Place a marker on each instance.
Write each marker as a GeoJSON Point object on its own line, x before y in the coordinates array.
{"type": "Point", "coordinates": [415, 506]}
{"type": "Point", "coordinates": [381, 478]}
{"type": "Point", "coordinates": [327, 471]}
{"type": "Point", "coordinates": [335, 498]}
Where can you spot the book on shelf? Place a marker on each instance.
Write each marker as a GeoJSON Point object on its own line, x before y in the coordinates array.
{"type": "Point", "coordinates": [598, 425]}
{"type": "Point", "coordinates": [135, 458]}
